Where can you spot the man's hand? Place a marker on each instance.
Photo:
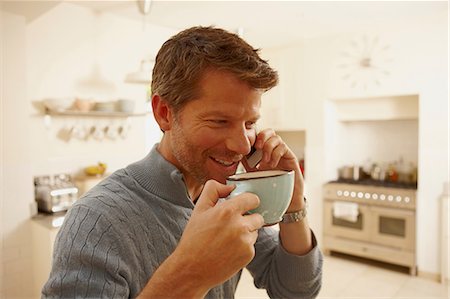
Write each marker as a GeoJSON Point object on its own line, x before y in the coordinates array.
{"type": "Point", "coordinates": [277, 155]}
{"type": "Point", "coordinates": [220, 237]}
{"type": "Point", "coordinates": [217, 242]}
{"type": "Point", "coordinates": [295, 237]}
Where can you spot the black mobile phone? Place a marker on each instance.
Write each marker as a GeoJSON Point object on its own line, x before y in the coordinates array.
{"type": "Point", "coordinates": [254, 157]}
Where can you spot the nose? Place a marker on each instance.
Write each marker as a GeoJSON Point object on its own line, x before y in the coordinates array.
{"type": "Point", "coordinates": [240, 140]}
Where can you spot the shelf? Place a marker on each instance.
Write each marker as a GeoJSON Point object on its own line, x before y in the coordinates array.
{"type": "Point", "coordinates": [378, 109]}
{"type": "Point", "coordinates": [94, 113]}
{"type": "Point", "coordinates": [377, 119]}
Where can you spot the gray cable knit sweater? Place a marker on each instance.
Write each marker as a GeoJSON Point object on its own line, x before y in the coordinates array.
{"type": "Point", "coordinates": [117, 235]}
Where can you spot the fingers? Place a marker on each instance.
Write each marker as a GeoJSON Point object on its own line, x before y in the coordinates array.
{"type": "Point", "coordinates": [262, 137]}
{"type": "Point", "coordinates": [277, 149]}
{"type": "Point", "coordinates": [240, 204]}
{"type": "Point", "coordinates": [243, 202]}
{"type": "Point", "coordinates": [211, 193]}
{"type": "Point", "coordinates": [252, 237]}
{"type": "Point", "coordinates": [274, 150]}
{"type": "Point", "coordinates": [254, 222]}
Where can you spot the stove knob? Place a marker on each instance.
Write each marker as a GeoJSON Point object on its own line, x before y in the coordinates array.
{"type": "Point", "coordinates": [407, 199]}
{"type": "Point", "coordinates": [390, 197]}
{"type": "Point", "coordinates": [353, 194]}
{"type": "Point", "coordinates": [382, 197]}
{"type": "Point", "coordinates": [346, 193]}
{"type": "Point", "coordinates": [398, 198]}
{"type": "Point", "coordinates": [375, 196]}
{"type": "Point", "coordinates": [360, 195]}
{"type": "Point", "coordinates": [367, 195]}
{"type": "Point", "coordinates": [339, 193]}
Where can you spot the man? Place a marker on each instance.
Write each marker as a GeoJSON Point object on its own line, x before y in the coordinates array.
{"type": "Point", "coordinates": [156, 229]}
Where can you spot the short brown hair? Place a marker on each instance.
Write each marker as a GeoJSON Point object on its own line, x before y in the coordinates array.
{"type": "Point", "coordinates": [186, 56]}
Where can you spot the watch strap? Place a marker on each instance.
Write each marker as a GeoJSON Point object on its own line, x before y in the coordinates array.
{"type": "Point", "coordinates": [296, 216]}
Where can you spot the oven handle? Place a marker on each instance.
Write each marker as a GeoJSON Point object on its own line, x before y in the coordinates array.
{"type": "Point", "coordinates": [392, 211]}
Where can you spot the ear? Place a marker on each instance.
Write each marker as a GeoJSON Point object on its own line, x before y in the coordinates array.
{"type": "Point", "coordinates": [162, 113]}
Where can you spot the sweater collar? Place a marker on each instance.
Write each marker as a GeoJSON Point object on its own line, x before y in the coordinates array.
{"type": "Point", "coordinates": [160, 177]}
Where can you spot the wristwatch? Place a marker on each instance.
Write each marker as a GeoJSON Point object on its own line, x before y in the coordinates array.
{"type": "Point", "coordinates": [295, 216]}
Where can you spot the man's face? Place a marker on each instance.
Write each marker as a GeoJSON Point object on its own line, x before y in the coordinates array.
{"type": "Point", "coordinates": [211, 134]}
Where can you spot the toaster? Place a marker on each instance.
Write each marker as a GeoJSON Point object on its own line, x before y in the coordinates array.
{"type": "Point", "coordinates": [54, 193]}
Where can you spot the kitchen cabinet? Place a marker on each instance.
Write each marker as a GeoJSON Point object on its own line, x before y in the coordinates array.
{"type": "Point", "coordinates": [44, 230]}
{"type": "Point", "coordinates": [445, 233]}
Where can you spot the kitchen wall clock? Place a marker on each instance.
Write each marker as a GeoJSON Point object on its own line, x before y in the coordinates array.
{"type": "Point", "coordinates": [365, 62]}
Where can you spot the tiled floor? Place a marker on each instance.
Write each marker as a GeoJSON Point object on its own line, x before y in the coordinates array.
{"type": "Point", "coordinates": [344, 277]}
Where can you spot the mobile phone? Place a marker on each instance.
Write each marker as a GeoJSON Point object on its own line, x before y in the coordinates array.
{"type": "Point", "coordinates": [254, 157]}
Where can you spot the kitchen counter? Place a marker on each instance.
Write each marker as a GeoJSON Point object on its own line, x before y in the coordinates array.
{"type": "Point", "coordinates": [49, 221]}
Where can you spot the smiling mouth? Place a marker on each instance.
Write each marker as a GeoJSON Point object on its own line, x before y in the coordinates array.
{"type": "Point", "coordinates": [224, 163]}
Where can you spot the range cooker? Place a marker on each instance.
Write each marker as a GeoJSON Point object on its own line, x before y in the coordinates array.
{"type": "Point", "coordinates": [371, 219]}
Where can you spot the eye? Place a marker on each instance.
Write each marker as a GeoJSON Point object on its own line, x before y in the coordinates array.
{"type": "Point", "coordinates": [250, 125]}
{"type": "Point", "coordinates": [218, 121]}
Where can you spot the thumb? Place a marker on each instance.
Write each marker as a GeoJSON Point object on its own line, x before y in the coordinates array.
{"type": "Point", "coordinates": [211, 193]}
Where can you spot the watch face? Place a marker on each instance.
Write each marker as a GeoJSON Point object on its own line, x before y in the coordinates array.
{"type": "Point", "coordinates": [365, 62]}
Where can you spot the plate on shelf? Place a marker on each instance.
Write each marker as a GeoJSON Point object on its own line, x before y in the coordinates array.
{"type": "Point", "coordinates": [105, 106]}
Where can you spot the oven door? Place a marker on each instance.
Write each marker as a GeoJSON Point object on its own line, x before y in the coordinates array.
{"type": "Point", "coordinates": [358, 230]}
{"type": "Point", "coordinates": [393, 227]}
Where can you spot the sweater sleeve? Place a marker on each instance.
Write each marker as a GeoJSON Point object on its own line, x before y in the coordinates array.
{"type": "Point", "coordinates": [282, 274]}
{"type": "Point", "coordinates": [86, 262]}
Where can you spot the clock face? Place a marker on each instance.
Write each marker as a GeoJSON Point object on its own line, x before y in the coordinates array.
{"type": "Point", "coordinates": [365, 62]}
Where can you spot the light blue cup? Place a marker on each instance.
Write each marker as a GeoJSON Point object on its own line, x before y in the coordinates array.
{"type": "Point", "coordinates": [273, 187]}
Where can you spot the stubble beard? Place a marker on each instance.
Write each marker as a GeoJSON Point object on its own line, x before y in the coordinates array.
{"type": "Point", "coordinates": [185, 153]}
{"type": "Point", "coordinates": [192, 161]}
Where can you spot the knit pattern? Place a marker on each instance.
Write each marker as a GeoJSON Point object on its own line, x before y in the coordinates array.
{"type": "Point", "coordinates": [115, 237]}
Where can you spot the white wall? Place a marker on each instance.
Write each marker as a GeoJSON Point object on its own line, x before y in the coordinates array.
{"type": "Point", "coordinates": [17, 188]}
{"type": "Point", "coordinates": [1, 144]}
{"type": "Point", "coordinates": [64, 49]}
{"type": "Point", "coordinates": [53, 54]}
{"type": "Point", "coordinates": [382, 142]}
{"type": "Point", "coordinates": [417, 63]}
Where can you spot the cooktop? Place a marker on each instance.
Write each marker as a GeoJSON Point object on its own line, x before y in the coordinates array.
{"type": "Point", "coordinates": [371, 182]}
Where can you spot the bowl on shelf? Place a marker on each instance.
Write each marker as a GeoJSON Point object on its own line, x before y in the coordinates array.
{"type": "Point", "coordinates": [58, 104]}
{"type": "Point", "coordinates": [126, 106]}
{"type": "Point", "coordinates": [83, 105]}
